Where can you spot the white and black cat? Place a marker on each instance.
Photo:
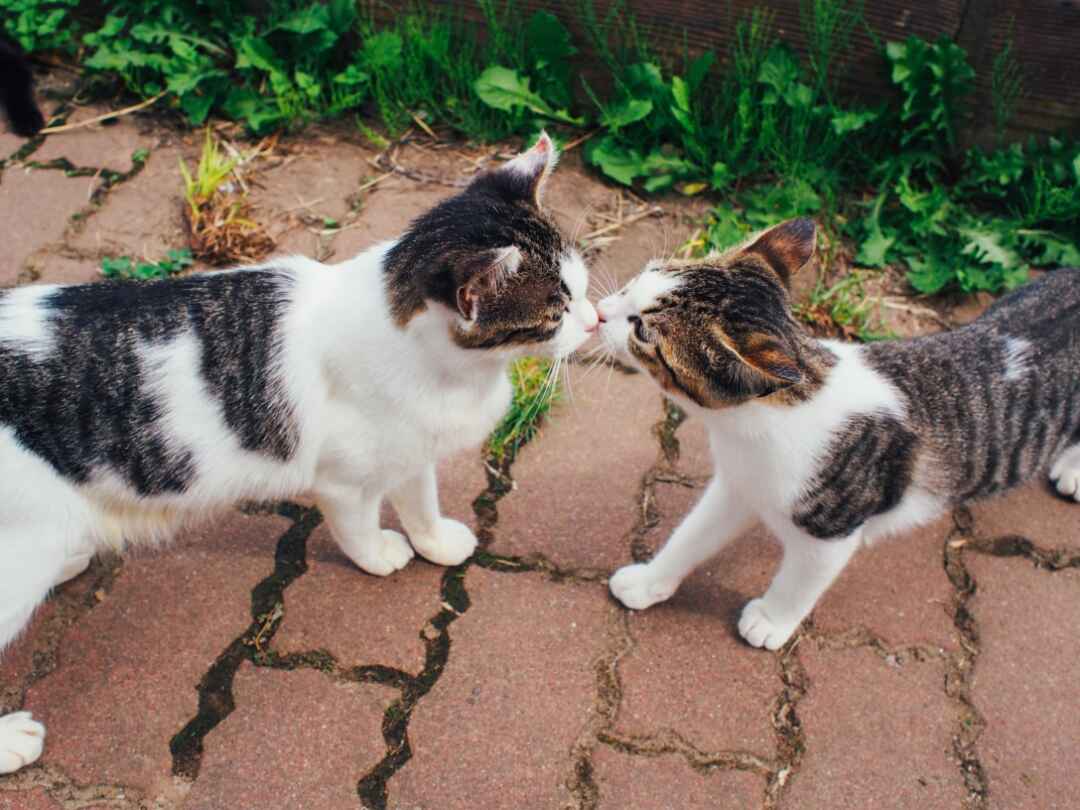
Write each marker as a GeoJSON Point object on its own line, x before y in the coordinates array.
{"type": "Point", "coordinates": [833, 445]}
{"type": "Point", "coordinates": [17, 90]}
{"type": "Point", "coordinates": [127, 408]}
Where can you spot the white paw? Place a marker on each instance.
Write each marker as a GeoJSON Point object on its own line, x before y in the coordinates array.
{"type": "Point", "coordinates": [760, 631]}
{"type": "Point", "coordinates": [21, 741]}
{"type": "Point", "coordinates": [451, 543]}
{"type": "Point", "coordinates": [382, 557]}
{"type": "Point", "coordinates": [637, 588]}
{"type": "Point", "coordinates": [1066, 474]}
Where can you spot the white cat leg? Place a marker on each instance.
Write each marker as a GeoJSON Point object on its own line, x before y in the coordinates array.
{"type": "Point", "coordinates": [441, 540]}
{"type": "Point", "coordinates": [24, 583]}
{"type": "Point", "coordinates": [1065, 474]}
{"type": "Point", "coordinates": [21, 741]}
{"type": "Point", "coordinates": [718, 518]}
{"type": "Point", "coordinates": [353, 517]}
{"type": "Point", "coordinates": [806, 572]}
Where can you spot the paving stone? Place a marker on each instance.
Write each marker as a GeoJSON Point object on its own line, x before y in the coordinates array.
{"type": "Point", "coordinates": [296, 740]}
{"type": "Point", "coordinates": [598, 442]}
{"type": "Point", "coordinates": [1025, 682]}
{"type": "Point", "coordinates": [101, 146]}
{"type": "Point", "coordinates": [128, 670]}
{"type": "Point", "coordinates": [689, 669]}
{"type": "Point", "coordinates": [1033, 512]}
{"type": "Point", "coordinates": [516, 693]}
{"type": "Point", "coordinates": [141, 217]}
{"type": "Point", "coordinates": [17, 660]}
{"type": "Point", "coordinates": [317, 181]}
{"type": "Point", "coordinates": [49, 268]}
{"type": "Point", "coordinates": [573, 193]}
{"type": "Point", "coordinates": [36, 799]}
{"type": "Point", "coordinates": [363, 619]}
{"type": "Point", "coordinates": [10, 143]}
{"type": "Point", "coordinates": [37, 206]}
{"type": "Point", "coordinates": [896, 588]}
{"type": "Point", "coordinates": [876, 735]}
{"type": "Point", "coordinates": [668, 783]}
{"type": "Point", "coordinates": [386, 210]}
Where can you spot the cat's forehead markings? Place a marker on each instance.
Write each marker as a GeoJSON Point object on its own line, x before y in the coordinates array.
{"type": "Point", "coordinates": [574, 274]}
{"type": "Point", "coordinates": [650, 287]}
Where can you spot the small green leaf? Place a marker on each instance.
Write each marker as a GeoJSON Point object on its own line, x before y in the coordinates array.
{"type": "Point", "coordinates": [617, 162]}
{"type": "Point", "coordinates": [505, 89]}
{"type": "Point", "coordinates": [852, 120]}
{"type": "Point", "coordinates": [721, 176]}
{"type": "Point", "coordinates": [627, 111]}
{"type": "Point", "coordinates": [927, 276]}
{"type": "Point", "coordinates": [874, 248]}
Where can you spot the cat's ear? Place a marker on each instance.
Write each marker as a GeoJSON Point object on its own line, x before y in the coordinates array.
{"type": "Point", "coordinates": [483, 278]}
{"type": "Point", "coordinates": [527, 174]}
{"type": "Point", "coordinates": [786, 247]}
{"type": "Point", "coordinates": [772, 358]}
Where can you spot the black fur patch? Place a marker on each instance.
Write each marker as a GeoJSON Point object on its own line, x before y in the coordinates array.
{"type": "Point", "coordinates": [86, 406]}
{"type": "Point", "coordinates": [17, 90]}
{"type": "Point", "coordinates": [865, 472]}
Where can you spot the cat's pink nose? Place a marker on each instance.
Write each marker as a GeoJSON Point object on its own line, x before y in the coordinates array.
{"type": "Point", "coordinates": [593, 323]}
{"type": "Point", "coordinates": [603, 311]}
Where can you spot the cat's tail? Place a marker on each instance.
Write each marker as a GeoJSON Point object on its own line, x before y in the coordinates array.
{"type": "Point", "coordinates": [17, 90]}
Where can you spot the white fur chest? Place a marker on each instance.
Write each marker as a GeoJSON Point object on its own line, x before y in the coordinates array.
{"type": "Point", "coordinates": [770, 453]}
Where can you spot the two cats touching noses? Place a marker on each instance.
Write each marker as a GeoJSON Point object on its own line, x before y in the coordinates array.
{"type": "Point", "coordinates": [128, 410]}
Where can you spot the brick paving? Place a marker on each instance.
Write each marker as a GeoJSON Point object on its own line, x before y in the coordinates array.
{"type": "Point", "coordinates": [251, 666]}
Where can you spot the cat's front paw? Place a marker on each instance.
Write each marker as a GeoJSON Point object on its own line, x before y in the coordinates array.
{"type": "Point", "coordinates": [21, 741]}
{"type": "Point", "coordinates": [451, 543]}
{"type": "Point", "coordinates": [1066, 474]}
{"type": "Point", "coordinates": [637, 587]}
{"type": "Point", "coordinates": [760, 630]}
{"type": "Point", "coordinates": [383, 556]}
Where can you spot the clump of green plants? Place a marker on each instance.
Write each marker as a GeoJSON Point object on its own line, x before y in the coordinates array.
{"type": "Point", "coordinates": [127, 268]}
{"type": "Point", "coordinates": [765, 133]}
{"type": "Point", "coordinates": [40, 25]}
{"type": "Point", "coordinates": [974, 220]}
{"type": "Point", "coordinates": [535, 390]}
{"type": "Point", "coordinates": [217, 211]}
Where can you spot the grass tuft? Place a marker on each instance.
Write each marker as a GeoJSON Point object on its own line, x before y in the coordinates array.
{"type": "Point", "coordinates": [535, 391]}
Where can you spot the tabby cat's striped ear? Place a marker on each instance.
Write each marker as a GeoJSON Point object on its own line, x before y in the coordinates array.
{"type": "Point", "coordinates": [786, 247]}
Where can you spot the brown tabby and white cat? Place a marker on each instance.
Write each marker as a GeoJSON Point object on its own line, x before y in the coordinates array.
{"type": "Point", "coordinates": [832, 445]}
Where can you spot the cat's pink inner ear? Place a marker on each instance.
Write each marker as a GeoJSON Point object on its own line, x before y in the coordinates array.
{"type": "Point", "coordinates": [787, 247]}
{"type": "Point", "coordinates": [485, 278]}
{"type": "Point", "coordinates": [536, 164]}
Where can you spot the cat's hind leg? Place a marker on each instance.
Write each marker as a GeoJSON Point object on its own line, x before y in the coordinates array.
{"type": "Point", "coordinates": [807, 570]}
{"type": "Point", "coordinates": [353, 516]}
{"type": "Point", "coordinates": [30, 564]}
{"type": "Point", "coordinates": [1065, 474]}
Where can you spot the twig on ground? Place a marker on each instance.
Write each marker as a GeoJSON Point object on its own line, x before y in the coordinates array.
{"type": "Point", "coordinates": [99, 118]}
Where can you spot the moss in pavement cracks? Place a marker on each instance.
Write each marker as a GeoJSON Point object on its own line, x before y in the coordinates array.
{"type": "Point", "coordinates": [215, 689]}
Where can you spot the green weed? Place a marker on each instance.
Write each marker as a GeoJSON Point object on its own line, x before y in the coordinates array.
{"type": "Point", "coordinates": [125, 267]}
{"type": "Point", "coordinates": [767, 134]}
{"type": "Point", "coordinates": [534, 393]}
